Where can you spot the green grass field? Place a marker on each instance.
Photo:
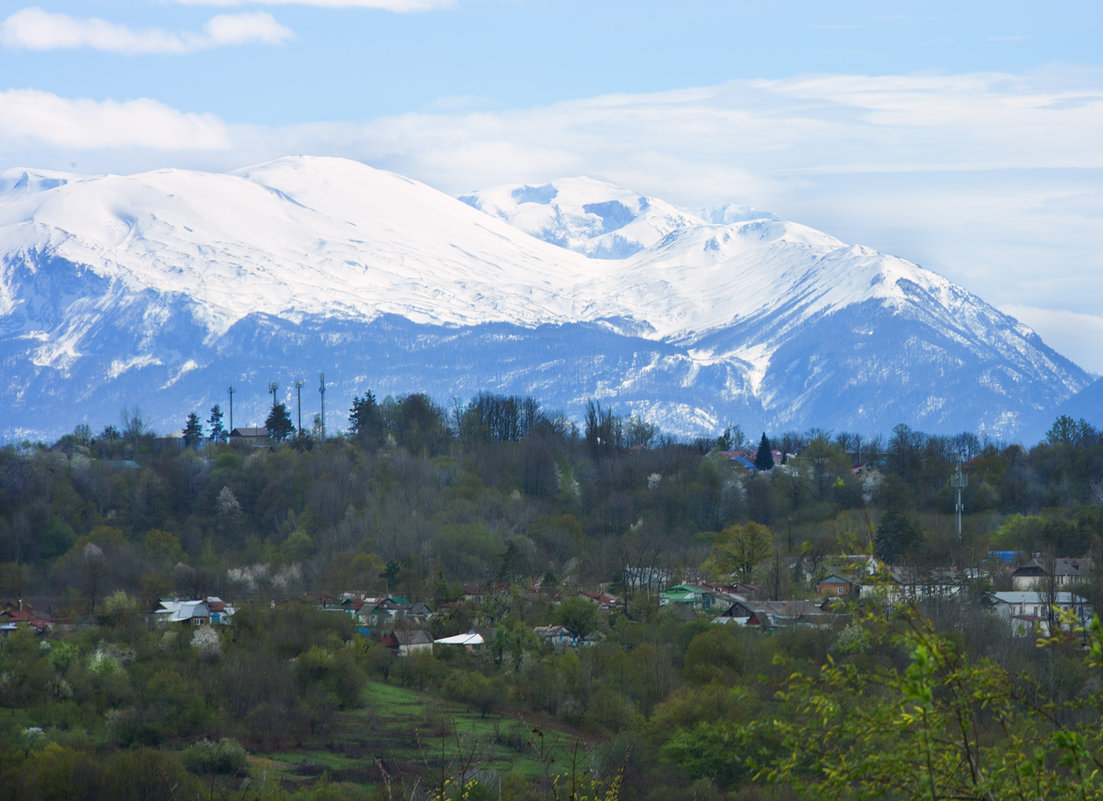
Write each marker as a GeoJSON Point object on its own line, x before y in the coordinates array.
{"type": "Point", "coordinates": [404, 735]}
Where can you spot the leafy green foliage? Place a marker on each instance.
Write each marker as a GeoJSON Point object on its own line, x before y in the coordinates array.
{"type": "Point", "coordinates": [577, 614]}
{"type": "Point", "coordinates": [484, 501]}
{"type": "Point", "coordinates": [928, 722]}
{"type": "Point", "coordinates": [740, 550]}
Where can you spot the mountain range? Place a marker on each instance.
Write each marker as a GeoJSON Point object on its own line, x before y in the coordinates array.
{"type": "Point", "coordinates": [159, 291]}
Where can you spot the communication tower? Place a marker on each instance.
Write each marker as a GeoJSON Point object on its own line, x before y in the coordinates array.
{"type": "Point", "coordinates": [959, 481]}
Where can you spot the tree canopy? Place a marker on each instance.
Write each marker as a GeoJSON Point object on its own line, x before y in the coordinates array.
{"type": "Point", "coordinates": [279, 423]}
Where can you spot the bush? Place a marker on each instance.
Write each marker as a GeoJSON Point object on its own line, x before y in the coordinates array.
{"type": "Point", "coordinates": [207, 756]}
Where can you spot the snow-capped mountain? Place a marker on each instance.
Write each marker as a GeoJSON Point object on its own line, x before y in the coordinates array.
{"type": "Point", "coordinates": [162, 289]}
{"type": "Point", "coordinates": [596, 219]}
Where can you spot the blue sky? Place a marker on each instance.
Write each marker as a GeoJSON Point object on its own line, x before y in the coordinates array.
{"type": "Point", "coordinates": [969, 140]}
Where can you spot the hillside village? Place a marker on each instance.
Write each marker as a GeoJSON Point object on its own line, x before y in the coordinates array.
{"type": "Point", "coordinates": [405, 627]}
{"type": "Point", "coordinates": [644, 596]}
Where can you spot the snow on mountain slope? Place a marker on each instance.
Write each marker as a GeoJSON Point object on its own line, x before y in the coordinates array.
{"type": "Point", "coordinates": [167, 285]}
{"type": "Point", "coordinates": [310, 235]}
{"type": "Point", "coordinates": [688, 277]}
{"type": "Point", "coordinates": [299, 235]}
{"type": "Point", "coordinates": [748, 289]}
{"type": "Point", "coordinates": [597, 219]}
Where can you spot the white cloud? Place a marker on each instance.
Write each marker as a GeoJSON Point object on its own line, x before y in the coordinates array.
{"type": "Point", "coordinates": [35, 29]}
{"type": "Point", "coordinates": [400, 6]}
{"type": "Point", "coordinates": [766, 141]}
{"type": "Point", "coordinates": [47, 121]}
{"type": "Point", "coordinates": [990, 179]}
{"type": "Point", "coordinates": [233, 29]}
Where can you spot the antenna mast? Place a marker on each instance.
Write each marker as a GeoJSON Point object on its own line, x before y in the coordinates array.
{"type": "Point", "coordinates": [273, 387]}
{"type": "Point", "coordinates": [959, 481]}
{"type": "Point", "coordinates": [322, 390]}
{"type": "Point", "coordinates": [230, 389]}
{"type": "Point", "coordinates": [299, 404]}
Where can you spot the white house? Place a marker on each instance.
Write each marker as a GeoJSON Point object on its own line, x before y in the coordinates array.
{"type": "Point", "coordinates": [1029, 610]}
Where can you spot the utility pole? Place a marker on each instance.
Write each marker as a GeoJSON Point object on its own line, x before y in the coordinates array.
{"type": "Point", "coordinates": [230, 389]}
{"type": "Point", "coordinates": [322, 390]}
{"type": "Point", "coordinates": [299, 404]}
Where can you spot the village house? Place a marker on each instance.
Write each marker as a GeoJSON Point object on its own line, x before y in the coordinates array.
{"type": "Point", "coordinates": [374, 612]}
{"type": "Point", "coordinates": [559, 637]}
{"type": "Point", "coordinates": [836, 586]}
{"type": "Point", "coordinates": [1036, 575]}
{"type": "Point", "coordinates": [807, 567]}
{"type": "Point", "coordinates": [604, 600]}
{"type": "Point", "coordinates": [406, 642]}
{"type": "Point", "coordinates": [725, 595]}
{"type": "Point", "coordinates": [696, 598]}
{"type": "Point", "coordinates": [1028, 611]}
{"type": "Point", "coordinates": [221, 612]}
{"type": "Point", "coordinates": [190, 613]}
{"type": "Point", "coordinates": [899, 584]}
{"type": "Point", "coordinates": [17, 614]}
{"type": "Point", "coordinates": [246, 437]}
{"type": "Point", "coordinates": [768, 615]}
{"type": "Point", "coordinates": [555, 637]}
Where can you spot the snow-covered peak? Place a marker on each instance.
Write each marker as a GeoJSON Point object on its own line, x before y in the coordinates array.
{"type": "Point", "coordinates": [32, 180]}
{"type": "Point", "coordinates": [297, 235]}
{"type": "Point", "coordinates": [310, 235]}
{"type": "Point", "coordinates": [733, 213]}
{"type": "Point", "coordinates": [598, 219]}
{"type": "Point", "coordinates": [687, 276]}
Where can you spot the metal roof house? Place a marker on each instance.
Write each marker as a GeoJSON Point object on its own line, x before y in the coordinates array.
{"type": "Point", "coordinates": [192, 613]}
{"type": "Point", "coordinates": [1029, 610]}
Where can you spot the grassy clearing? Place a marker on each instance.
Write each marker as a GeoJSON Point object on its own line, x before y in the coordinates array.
{"type": "Point", "coordinates": [399, 732]}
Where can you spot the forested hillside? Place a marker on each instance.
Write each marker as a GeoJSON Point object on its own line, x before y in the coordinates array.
{"type": "Point", "coordinates": [497, 514]}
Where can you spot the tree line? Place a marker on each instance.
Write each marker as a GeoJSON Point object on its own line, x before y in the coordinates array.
{"type": "Point", "coordinates": [500, 488]}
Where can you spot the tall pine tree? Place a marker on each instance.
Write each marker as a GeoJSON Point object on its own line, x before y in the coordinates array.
{"type": "Point", "coordinates": [764, 459]}
{"type": "Point", "coordinates": [218, 432]}
{"type": "Point", "coordinates": [193, 431]}
{"type": "Point", "coordinates": [366, 420]}
{"type": "Point", "coordinates": [279, 423]}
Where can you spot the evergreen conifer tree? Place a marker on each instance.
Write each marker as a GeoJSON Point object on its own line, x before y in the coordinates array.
{"type": "Point", "coordinates": [193, 431]}
{"type": "Point", "coordinates": [366, 420]}
{"type": "Point", "coordinates": [218, 433]}
{"type": "Point", "coordinates": [279, 423]}
{"type": "Point", "coordinates": [764, 459]}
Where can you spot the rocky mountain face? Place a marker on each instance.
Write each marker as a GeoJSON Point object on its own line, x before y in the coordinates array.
{"type": "Point", "coordinates": [160, 290]}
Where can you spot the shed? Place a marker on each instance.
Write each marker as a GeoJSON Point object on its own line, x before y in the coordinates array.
{"type": "Point", "coordinates": [471, 641]}
{"type": "Point", "coordinates": [408, 641]}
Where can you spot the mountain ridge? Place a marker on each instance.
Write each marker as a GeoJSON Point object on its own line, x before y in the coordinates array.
{"type": "Point", "coordinates": [727, 319]}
